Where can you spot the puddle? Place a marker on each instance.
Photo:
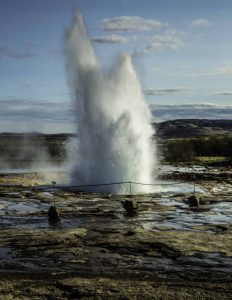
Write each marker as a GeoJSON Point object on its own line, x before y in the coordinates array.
{"type": "Point", "coordinates": [193, 169]}
{"type": "Point", "coordinates": [183, 217]}
{"type": "Point", "coordinates": [22, 208]}
{"type": "Point", "coordinates": [171, 202]}
{"type": "Point", "coordinates": [4, 252]}
{"type": "Point", "coordinates": [93, 210]}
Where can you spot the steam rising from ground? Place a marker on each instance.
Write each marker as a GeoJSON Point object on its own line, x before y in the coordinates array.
{"type": "Point", "coordinates": [114, 131]}
{"type": "Point", "coordinates": [34, 153]}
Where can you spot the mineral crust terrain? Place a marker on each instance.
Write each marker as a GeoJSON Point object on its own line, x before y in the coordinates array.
{"type": "Point", "coordinates": [165, 249]}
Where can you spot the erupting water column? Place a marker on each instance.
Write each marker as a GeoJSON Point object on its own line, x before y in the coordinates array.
{"type": "Point", "coordinates": [115, 136]}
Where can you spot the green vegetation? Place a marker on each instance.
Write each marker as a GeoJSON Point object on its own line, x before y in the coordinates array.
{"type": "Point", "coordinates": [29, 148]}
{"type": "Point", "coordinates": [211, 159]}
{"type": "Point", "coordinates": [204, 149]}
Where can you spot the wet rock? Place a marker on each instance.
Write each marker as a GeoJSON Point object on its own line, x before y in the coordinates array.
{"type": "Point", "coordinates": [130, 232]}
{"type": "Point", "coordinates": [178, 195]}
{"type": "Point", "coordinates": [118, 255]}
{"type": "Point", "coordinates": [3, 194]}
{"type": "Point", "coordinates": [222, 227]}
{"type": "Point", "coordinates": [11, 195]}
{"type": "Point", "coordinates": [193, 201]}
{"type": "Point", "coordinates": [53, 214]}
{"type": "Point", "coordinates": [130, 205]}
{"type": "Point", "coordinates": [156, 195]}
{"type": "Point", "coordinates": [28, 194]}
{"type": "Point", "coordinates": [104, 250]}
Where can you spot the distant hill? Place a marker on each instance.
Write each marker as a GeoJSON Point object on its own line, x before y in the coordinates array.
{"type": "Point", "coordinates": [193, 128]}
{"type": "Point", "coordinates": [24, 149]}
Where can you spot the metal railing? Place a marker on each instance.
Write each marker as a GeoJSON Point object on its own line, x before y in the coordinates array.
{"type": "Point", "coordinates": [130, 183]}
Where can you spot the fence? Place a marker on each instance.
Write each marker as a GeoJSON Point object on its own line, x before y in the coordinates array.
{"type": "Point", "coordinates": [127, 183]}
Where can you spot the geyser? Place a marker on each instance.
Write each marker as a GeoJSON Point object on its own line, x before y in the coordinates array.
{"type": "Point", "coordinates": [115, 136]}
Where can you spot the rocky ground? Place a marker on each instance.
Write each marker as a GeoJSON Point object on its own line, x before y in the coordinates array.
{"type": "Point", "coordinates": [164, 250]}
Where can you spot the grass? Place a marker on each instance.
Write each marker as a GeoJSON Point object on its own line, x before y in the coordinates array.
{"type": "Point", "coordinates": [211, 159]}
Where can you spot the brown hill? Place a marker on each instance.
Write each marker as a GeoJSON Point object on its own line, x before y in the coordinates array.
{"type": "Point", "coordinates": [193, 128]}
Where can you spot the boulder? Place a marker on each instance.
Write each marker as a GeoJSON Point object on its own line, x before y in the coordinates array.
{"type": "Point", "coordinates": [193, 201]}
{"type": "Point", "coordinates": [130, 205]}
{"type": "Point", "coordinates": [53, 214]}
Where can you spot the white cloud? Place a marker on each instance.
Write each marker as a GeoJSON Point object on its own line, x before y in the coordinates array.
{"type": "Point", "coordinates": [170, 39]}
{"type": "Point", "coordinates": [58, 116]}
{"type": "Point", "coordinates": [131, 23]}
{"type": "Point", "coordinates": [227, 93]}
{"type": "Point", "coordinates": [191, 111]}
{"type": "Point", "coordinates": [26, 115]}
{"type": "Point", "coordinates": [225, 70]}
{"type": "Point", "coordinates": [164, 92]}
{"type": "Point", "coordinates": [11, 53]}
{"type": "Point", "coordinates": [113, 39]}
{"type": "Point", "coordinates": [221, 71]}
{"type": "Point", "coordinates": [167, 38]}
{"type": "Point", "coordinates": [200, 23]}
{"type": "Point", "coordinates": [14, 109]}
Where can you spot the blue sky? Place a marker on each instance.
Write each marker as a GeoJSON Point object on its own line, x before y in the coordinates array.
{"type": "Point", "coordinates": [182, 50]}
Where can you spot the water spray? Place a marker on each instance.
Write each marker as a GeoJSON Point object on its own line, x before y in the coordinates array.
{"type": "Point", "coordinates": [115, 135]}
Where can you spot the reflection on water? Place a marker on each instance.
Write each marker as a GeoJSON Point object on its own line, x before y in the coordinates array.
{"type": "Point", "coordinates": [98, 211]}
{"type": "Point", "coordinates": [162, 209]}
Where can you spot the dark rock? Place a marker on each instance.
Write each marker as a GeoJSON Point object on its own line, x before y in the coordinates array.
{"type": "Point", "coordinates": [11, 195]}
{"type": "Point", "coordinates": [130, 232]}
{"type": "Point", "coordinates": [130, 205]}
{"type": "Point", "coordinates": [193, 201]}
{"type": "Point", "coordinates": [28, 194]}
{"type": "Point", "coordinates": [222, 227]}
{"type": "Point", "coordinates": [104, 250]}
{"type": "Point", "coordinates": [3, 194]}
{"type": "Point", "coordinates": [53, 214]}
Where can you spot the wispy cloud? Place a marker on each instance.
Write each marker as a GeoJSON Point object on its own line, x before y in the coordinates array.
{"type": "Point", "coordinates": [200, 23]}
{"type": "Point", "coordinates": [15, 54]}
{"type": "Point", "coordinates": [34, 110]}
{"type": "Point", "coordinates": [170, 39]}
{"type": "Point", "coordinates": [191, 111]}
{"type": "Point", "coordinates": [225, 70]}
{"type": "Point", "coordinates": [131, 23]}
{"type": "Point", "coordinates": [113, 39]}
{"type": "Point", "coordinates": [164, 92]}
{"type": "Point", "coordinates": [221, 71]}
{"type": "Point", "coordinates": [58, 116]}
{"type": "Point", "coordinates": [229, 94]}
{"type": "Point", "coordinates": [157, 36]}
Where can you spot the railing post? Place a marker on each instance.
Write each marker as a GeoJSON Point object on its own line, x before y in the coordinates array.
{"type": "Point", "coordinates": [194, 184]}
{"type": "Point", "coordinates": [53, 188]}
